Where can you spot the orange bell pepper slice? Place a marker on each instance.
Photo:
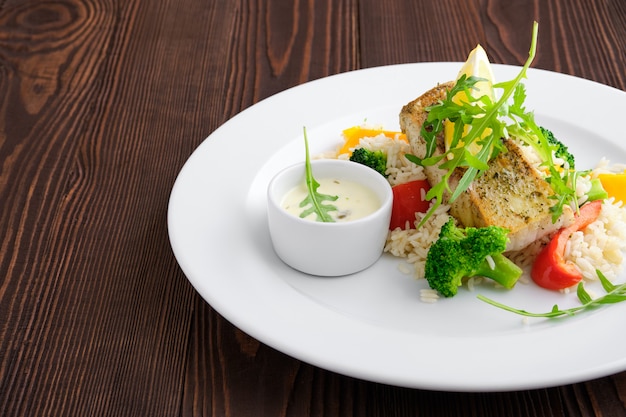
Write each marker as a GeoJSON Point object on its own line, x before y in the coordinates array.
{"type": "Point", "coordinates": [354, 134]}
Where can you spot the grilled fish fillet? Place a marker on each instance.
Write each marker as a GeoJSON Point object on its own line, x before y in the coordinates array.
{"type": "Point", "coordinates": [510, 194]}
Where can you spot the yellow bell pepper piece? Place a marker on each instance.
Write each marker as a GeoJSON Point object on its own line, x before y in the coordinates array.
{"type": "Point", "coordinates": [354, 134]}
{"type": "Point", "coordinates": [614, 185]}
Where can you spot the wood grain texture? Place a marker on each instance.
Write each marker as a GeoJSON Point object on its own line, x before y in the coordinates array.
{"type": "Point", "coordinates": [89, 281]}
{"type": "Point", "coordinates": [103, 101]}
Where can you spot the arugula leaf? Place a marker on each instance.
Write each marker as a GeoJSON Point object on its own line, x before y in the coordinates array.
{"type": "Point", "coordinates": [523, 127]}
{"type": "Point", "coordinates": [615, 294]}
{"type": "Point", "coordinates": [490, 121]}
{"type": "Point", "coordinates": [314, 199]}
{"type": "Point", "coordinates": [481, 114]}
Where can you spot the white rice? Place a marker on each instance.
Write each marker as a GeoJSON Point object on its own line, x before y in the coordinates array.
{"type": "Point", "coordinates": [601, 245]}
{"type": "Point", "coordinates": [413, 243]}
{"type": "Point", "coordinates": [399, 169]}
{"type": "Point", "coordinates": [525, 257]}
{"type": "Point", "coordinates": [428, 295]}
{"type": "Point", "coordinates": [606, 167]}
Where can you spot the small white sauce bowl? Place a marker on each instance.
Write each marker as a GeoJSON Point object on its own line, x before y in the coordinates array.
{"type": "Point", "coordinates": [328, 249]}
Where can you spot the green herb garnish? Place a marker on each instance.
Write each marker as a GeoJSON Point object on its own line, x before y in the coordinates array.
{"type": "Point", "coordinates": [614, 294]}
{"type": "Point", "coordinates": [490, 121]}
{"type": "Point", "coordinates": [562, 180]}
{"type": "Point", "coordinates": [315, 200]}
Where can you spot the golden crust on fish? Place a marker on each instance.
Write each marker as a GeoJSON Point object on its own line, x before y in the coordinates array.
{"type": "Point", "coordinates": [413, 115]}
{"type": "Point", "coordinates": [510, 194]}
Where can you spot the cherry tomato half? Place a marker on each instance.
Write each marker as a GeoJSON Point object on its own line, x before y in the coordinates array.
{"type": "Point", "coordinates": [407, 200]}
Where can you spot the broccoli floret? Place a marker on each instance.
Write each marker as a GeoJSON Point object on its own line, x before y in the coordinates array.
{"type": "Point", "coordinates": [463, 253]}
{"type": "Point", "coordinates": [376, 160]}
{"type": "Point", "coordinates": [561, 151]}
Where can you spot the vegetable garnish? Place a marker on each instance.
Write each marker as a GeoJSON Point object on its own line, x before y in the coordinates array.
{"type": "Point", "coordinates": [407, 200]}
{"type": "Point", "coordinates": [550, 270]}
{"type": "Point", "coordinates": [614, 294]}
{"type": "Point", "coordinates": [468, 252]}
{"type": "Point", "coordinates": [597, 191]}
{"type": "Point", "coordinates": [353, 135]}
{"type": "Point", "coordinates": [377, 160]}
{"type": "Point", "coordinates": [489, 121]}
{"type": "Point", "coordinates": [615, 185]}
{"type": "Point", "coordinates": [314, 199]}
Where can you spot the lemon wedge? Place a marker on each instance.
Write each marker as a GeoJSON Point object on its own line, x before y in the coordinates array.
{"type": "Point", "coordinates": [478, 65]}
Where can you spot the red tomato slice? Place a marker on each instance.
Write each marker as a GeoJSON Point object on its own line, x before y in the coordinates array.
{"type": "Point", "coordinates": [407, 200]}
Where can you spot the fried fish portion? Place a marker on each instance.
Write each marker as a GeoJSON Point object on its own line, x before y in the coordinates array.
{"type": "Point", "coordinates": [511, 193]}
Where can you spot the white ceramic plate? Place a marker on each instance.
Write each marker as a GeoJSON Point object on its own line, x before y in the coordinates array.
{"type": "Point", "coordinates": [372, 325]}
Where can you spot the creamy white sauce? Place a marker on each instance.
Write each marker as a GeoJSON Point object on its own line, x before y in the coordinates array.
{"type": "Point", "coordinates": [355, 200]}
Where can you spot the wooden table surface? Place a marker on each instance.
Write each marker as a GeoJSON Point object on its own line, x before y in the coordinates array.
{"type": "Point", "coordinates": [101, 104]}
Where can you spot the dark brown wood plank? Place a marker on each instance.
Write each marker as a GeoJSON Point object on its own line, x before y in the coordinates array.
{"type": "Point", "coordinates": [95, 313]}
{"type": "Point", "coordinates": [588, 44]}
{"type": "Point", "coordinates": [102, 102]}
